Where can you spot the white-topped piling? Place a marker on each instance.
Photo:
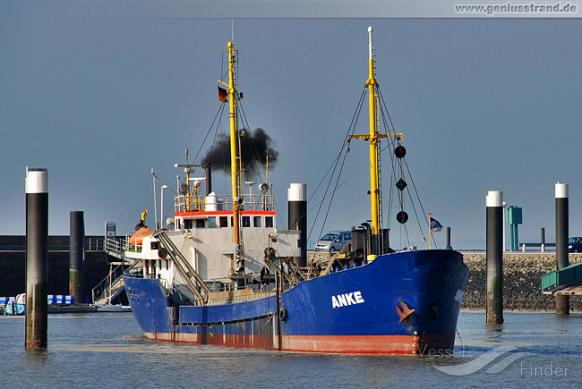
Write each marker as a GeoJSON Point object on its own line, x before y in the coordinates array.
{"type": "Point", "coordinates": [36, 184]}
{"type": "Point", "coordinates": [297, 216]}
{"type": "Point", "coordinates": [494, 255]}
{"type": "Point", "coordinates": [562, 226]}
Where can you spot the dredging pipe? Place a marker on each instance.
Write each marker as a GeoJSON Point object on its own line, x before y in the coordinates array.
{"type": "Point", "coordinates": [561, 194]}
{"type": "Point", "coordinates": [76, 256]}
{"type": "Point", "coordinates": [494, 255]}
{"type": "Point", "coordinates": [297, 216]}
{"type": "Point", "coordinates": [36, 184]}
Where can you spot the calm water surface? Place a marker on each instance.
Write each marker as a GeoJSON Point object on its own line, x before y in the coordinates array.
{"type": "Point", "coordinates": [107, 350]}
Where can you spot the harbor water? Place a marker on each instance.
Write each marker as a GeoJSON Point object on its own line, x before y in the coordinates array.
{"type": "Point", "coordinates": [108, 350]}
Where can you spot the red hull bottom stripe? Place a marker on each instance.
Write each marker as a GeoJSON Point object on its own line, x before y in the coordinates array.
{"type": "Point", "coordinates": [364, 344]}
{"type": "Point", "coordinates": [379, 344]}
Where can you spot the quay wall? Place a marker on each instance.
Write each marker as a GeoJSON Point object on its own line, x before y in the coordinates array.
{"type": "Point", "coordinates": [13, 264]}
{"type": "Point", "coordinates": [13, 269]}
{"type": "Point", "coordinates": [522, 274]}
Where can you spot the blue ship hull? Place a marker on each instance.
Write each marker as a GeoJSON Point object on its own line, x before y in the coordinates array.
{"type": "Point", "coordinates": [401, 303]}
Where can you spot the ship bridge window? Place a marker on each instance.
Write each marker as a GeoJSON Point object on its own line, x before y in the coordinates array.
{"type": "Point", "coordinates": [200, 223]}
{"type": "Point", "coordinates": [269, 221]}
{"type": "Point", "coordinates": [155, 245]}
{"type": "Point", "coordinates": [246, 221]}
{"type": "Point", "coordinates": [256, 221]}
{"type": "Point", "coordinates": [223, 221]}
{"type": "Point", "coordinates": [212, 222]}
{"type": "Point", "coordinates": [188, 224]}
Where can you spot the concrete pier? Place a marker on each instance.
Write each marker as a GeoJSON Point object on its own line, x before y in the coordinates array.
{"type": "Point", "coordinates": [36, 258]}
{"type": "Point", "coordinates": [562, 225]}
{"type": "Point", "coordinates": [494, 255]}
{"type": "Point", "coordinates": [77, 256]}
{"type": "Point", "coordinates": [297, 216]}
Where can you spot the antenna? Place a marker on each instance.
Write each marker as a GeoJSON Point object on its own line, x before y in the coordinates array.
{"type": "Point", "coordinates": [370, 48]}
{"type": "Point", "coordinates": [187, 152]}
{"type": "Point", "coordinates": [155, 178]}
{"type": "Point", "coordinates": [232, 30]}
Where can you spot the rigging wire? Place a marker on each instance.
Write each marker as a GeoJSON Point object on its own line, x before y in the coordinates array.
{"type": "Point", "coordinates": [218, 113]}
{"type": "Point", "coordinates": [323, 179]}
{"type": "Point", "coordinates": [384, 108]}
{"type": "Point", "coordinates": [415, 215]}
{"type": "Point", "coordinates": [390, 198]}
{"type": "Point", "coordinates": [334, 191]}
{"type": "Point", "coordinates": [392, 145]}
{"type": "Point", "coordinates": [335, 162]}
{"type": "Point", "coordinates": [326, 190]}
{"type": "Point", "coordinates": [246, 123]}
{"type": "Point", "coordinates": [218, 125]}
{"type": "Point", "coordinates": [414, 186]}
{"type": "Point", "coordinates": [388, 126]}
{"type": "Point", "coordinates": [313, 206]}
{"type": "Point", "coordinates": [353, 124]}
{"type": "Point", "coordinates": [336, 159]}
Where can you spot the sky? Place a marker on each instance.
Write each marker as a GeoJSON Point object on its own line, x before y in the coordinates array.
{"type": "Point", "coordinates": [485, 104]}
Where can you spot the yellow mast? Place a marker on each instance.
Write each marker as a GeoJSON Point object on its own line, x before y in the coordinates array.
{"type": "Point", "coordinates": [234, 152]}
{"type": "Point", "coordinates": [373, 139]}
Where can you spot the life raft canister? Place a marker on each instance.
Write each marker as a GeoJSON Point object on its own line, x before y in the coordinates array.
{"type": "Point", "coordinates": [137, 237]}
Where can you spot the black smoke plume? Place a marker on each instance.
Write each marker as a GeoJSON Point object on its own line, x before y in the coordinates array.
{"type": "Point", "coordinates": [254, 148]}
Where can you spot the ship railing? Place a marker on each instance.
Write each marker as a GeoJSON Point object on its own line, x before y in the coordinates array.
{"type": "Point", "coordinates": [239, 298]}
{"type": "Point", "coordinates": [112, 281]}
{"type": "Point", "coordinates": [250, 201]}
{"type": "Point", "coordinates": [133, 247]}
{"type": "Point", "coordinates": [95, 244]}
{"type": "Point", "coordinates": [115, 246]}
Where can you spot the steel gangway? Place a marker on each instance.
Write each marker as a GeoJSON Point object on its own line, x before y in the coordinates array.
{"type": "Point", "coordinates": [566, 281]}
{"type": "Point", "coordinates": [112, 285]}
{"type": "Point", "coordinates": [194, 282]}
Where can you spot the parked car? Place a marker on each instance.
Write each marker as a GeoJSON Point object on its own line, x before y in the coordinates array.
{"type": "Point", "coordinates": [575, 245]}
{"type": "Point", "coordinates": [334, 241]}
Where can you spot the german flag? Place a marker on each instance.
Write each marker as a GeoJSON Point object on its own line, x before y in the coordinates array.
{"type": "Point", "coordinates": [222, 95]}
